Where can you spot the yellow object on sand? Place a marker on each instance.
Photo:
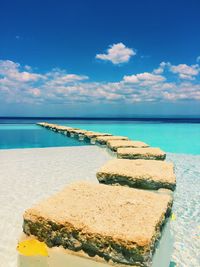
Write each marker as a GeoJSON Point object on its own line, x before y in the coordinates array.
{"type": "Point", "coordinates": [32, 247]}
{"type": "Point", "coordinates": [173, 217]}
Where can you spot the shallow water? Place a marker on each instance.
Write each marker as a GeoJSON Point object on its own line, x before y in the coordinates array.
{"type": "Point", "coordinates": [30, 136]}
{"type": "Point", "coordinates": [171, 137]}
{"type": "Point", "coordinates": [186, 226]}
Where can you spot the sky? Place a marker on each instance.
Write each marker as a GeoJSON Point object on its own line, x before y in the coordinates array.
{"type": "Point", "coordinates": [100, 58]}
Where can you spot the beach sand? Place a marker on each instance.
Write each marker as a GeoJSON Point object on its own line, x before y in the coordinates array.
{"type": "Point", "coordinates": [29, 175]}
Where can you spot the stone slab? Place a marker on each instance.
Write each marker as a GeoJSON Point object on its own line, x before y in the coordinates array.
{"type": "Point", "coordinates": [115, 144]}
{"type": "Point", "coordinates": [115, 223]}
{"type": "Point", "coordinates": [102, 140]}
{"type": "Point", "coordinates": [91, 134]}
{"type": "Point", "coordinates": [145, 174]}
{"type": "Point", "coordinates": [154, 153]}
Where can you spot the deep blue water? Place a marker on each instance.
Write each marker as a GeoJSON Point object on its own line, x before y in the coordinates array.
{"type": "Point", "coordinates": [176, 135]}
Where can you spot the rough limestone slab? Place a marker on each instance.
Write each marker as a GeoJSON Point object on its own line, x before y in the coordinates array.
{"type": "Point", "coordinates": [141, 153]}
{"type": "Point", "coordinates": [74, 130]}
{"type": "Point", "coordinates": [91, 134]}
{"type": "Point", "coordinates": [145, 174]}
{"type": "Point", "coordinates": [115, 144]}
{"type": "Point", "coordinates": [59, 257]}
{"type": "Point", "coordinates": [77, 131]}
{"type": "Point", "coordinates": [102, 140]}
{"type": "Point", "coordinates": [53, 126]}
{"type": "Point", "coordinates": [48, 125]}
{"type": "Point", "coordinates": [69, 131]}
{"type": "Point", "coordinates": [63, 128]}
{"type": "Point", "coordinates": [116, 223]}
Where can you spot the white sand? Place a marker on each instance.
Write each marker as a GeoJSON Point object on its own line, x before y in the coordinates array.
{"type": "Point", "coordinates": [28, 175]}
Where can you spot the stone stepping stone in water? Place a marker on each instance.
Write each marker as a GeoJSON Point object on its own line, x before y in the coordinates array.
{"type": "Point", "coordinates": [76, 132]}
{"type": "Point", "coordinates": [102, 140]}
{"type": "Point", "coordinates": [144, 174]}
{"type": "Point", "coordinates": [89, 135]}
{"type": "Point", "coordinates": [115, 144]}
{"type": "Point", "coordinates": [50, 125]}
{"type": "Point", "coordinates": [110, 224]}
{"type": "Point", "coordinates": [63, 129]}
{"type": "Point", "coordinates": [70, 131]}
{"type": "Point", "coordinates": [141, 153]}
{"type": "Point", "coordinates": [54, 127]}
{"type": "Point", "coordinates": [43, 124]}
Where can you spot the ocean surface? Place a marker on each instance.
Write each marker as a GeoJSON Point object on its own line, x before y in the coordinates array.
{"type": "Point", "coordinates": [172, 135]}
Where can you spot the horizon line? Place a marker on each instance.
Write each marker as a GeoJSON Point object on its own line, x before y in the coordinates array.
{"type": "Point", "coordinates": [139, 117]}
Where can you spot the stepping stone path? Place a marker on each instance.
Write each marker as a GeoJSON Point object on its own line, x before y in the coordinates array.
{"type": "Point", "coordinates": [115, 144]}
{"type": "Point", "coordinates": [114, 225]}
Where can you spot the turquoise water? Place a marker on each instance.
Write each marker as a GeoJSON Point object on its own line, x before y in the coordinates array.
{"type": "Point", "coordinates": [30, 136]}
{"type": "Point", "coordinates": [171, 137]}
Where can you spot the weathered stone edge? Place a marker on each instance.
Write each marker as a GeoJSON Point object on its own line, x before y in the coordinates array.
{"type": "Point", "coordinates": [140, 156]}
{"type": "Point", "coordinates": [117, 179]}
{"type": "Point", "coordinates": [117, 251]}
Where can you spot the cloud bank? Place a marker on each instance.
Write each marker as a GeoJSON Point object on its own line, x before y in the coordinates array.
{"type": "Point", "coordinates": [20, 84]}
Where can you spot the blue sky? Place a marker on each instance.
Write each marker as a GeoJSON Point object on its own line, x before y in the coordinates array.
{"type": "Point", "coordinates": [99, 58]}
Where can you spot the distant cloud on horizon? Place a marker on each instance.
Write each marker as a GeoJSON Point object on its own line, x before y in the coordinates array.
{"type": "Point", "coordinates": [117, 54]}
{"type": "Point", "coordinates": [19, 84]}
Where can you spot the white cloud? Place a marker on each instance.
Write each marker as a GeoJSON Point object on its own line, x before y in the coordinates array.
{"type": "Point", "coordinates": [131, 78]}
{"type": "Point", "coordinates": [158, 70]}
{"type": "Point", "coordinates": [117, 53]}
{"type": "Point", "coordinates": [144, 77]}
{"type": "Point", "coordinates": [12, 71]}
{"type": "Point", "coordinates": [18, 85]}
{"type": "Point", "coordinates": [161, 67]}
{"type": "Point", "coordinates": [184, 71]}
{"type": "Point", "coordinates": [35, 92]}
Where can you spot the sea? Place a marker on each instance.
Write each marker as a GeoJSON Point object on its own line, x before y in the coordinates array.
{"type": "Point", "coordinates": [175, 135]}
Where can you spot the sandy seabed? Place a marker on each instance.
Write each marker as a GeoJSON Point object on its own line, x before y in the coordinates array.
{"type": "Point", "coordinates": [28, 175]}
